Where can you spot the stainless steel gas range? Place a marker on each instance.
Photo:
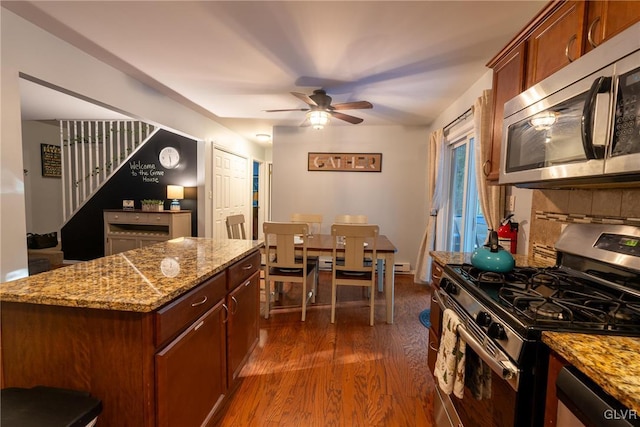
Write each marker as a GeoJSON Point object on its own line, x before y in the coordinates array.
{"type": "Point", "coordinates": [594, 288]}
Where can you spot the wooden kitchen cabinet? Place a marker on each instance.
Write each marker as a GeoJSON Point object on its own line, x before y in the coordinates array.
{"type": "Point", "coordinates": [435, 317]}
{"type": "Point", "coordinates": [171, 366]}
{"type": "Point", "coordinates": [556, 41]}
{"type": "Point", "coordinates": [191, 372]}
{"type": "Point", "coordinates": [243, 325]}
{"type": "Point", "coordinates": [126, 230]}
{"type": "Point", "coordinates": [556, 363]}
{"type": "Point", "coordinates": [560, 33]}
{"type": "Point", "coordinates": [508, 82]}
{"type": "Point", "coordinates": [605, 19]}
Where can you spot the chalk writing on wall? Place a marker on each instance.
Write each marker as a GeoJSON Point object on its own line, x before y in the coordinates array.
{"type": "Point", "coordinates": [148, 172]}
{"type": "Point", "coordinates": [51, 165]}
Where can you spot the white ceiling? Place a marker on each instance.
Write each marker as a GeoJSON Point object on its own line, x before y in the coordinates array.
{"type": "Point", "coordinates": [235, 59]}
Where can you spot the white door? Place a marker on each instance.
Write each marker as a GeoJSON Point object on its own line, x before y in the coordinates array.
{"type": "Point", "coordinates": [231, 191]}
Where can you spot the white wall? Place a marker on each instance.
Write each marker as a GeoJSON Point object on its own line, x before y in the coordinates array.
{"type": "Point", "coordinates": [28, 49]}
{"type": "Point", "coordinates": [394, 198]}
{"type": "Point", "coordinates": [43, 196]}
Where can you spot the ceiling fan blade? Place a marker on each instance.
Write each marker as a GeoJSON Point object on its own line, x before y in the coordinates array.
{"type": "Point", "coordinates": [347, 118]}
{"type": "Point", "coordinates": [357, 105]}
{"type": "Point", "coordinates": [305, 98]}
{"type": "Point", "coordinates": [289, 109]}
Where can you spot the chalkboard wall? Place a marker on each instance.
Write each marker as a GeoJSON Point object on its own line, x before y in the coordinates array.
{"type": "Point", "coordinates": [142, 177]}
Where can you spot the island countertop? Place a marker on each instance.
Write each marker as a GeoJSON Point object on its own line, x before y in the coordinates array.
{"type": "Point", "coordinates": [610, 361]}
{"type": "Point", "coordinates": [139, 280]}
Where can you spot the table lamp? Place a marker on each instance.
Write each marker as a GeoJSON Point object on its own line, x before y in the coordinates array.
{"type": "Point", "coordinates": [175, 192]}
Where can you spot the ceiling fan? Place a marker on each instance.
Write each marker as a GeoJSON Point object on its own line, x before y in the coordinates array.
{"type": "Point", "coordinates": [320, 109]}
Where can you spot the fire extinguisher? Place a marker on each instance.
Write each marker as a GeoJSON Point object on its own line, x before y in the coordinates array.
{"type": "Point", "coordinates": [508, 234]}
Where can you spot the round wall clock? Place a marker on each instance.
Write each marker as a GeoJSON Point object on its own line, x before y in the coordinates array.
{"type": "Point", "coordinates": [169, 157]}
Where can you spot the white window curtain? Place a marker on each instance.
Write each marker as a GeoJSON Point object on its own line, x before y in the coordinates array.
{"type": "Point", "coordinates": [491, 196]}
{"type": "Point", "coordinates": [435, 185]}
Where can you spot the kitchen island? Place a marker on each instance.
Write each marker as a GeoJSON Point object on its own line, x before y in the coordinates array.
{"type": "Point", "coordinates": [159, 334]}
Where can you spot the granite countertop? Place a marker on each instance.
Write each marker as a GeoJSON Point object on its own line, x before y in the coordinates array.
{"type": "Point", "coordinates": [610, 361]}
{"type": "Point", "coordinates": [138, 280]}
{"type": "Point", "coordinates": [465, 257]}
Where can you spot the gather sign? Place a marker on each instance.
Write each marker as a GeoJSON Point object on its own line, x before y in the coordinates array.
{"type": "Point", "coordinates": [345, 162]}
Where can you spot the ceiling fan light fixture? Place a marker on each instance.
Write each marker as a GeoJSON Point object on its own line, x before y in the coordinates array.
{"type": "Point", "coordinates": [318, 118]}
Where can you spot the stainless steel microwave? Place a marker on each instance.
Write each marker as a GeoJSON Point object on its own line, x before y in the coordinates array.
{"type": "Point", "coordinates": [579, 127]}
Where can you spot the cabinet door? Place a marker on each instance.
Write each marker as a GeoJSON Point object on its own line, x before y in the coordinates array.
{"type": "Point", "coordinates": [117, 245]}
{"type": "Point", "coordinates": [243, 326]}
{"type": "Point", "coordinates": [191, 372]}
{"type": "Point", "coordinates": [556, 42]}
{"type": "Point", "coordinates": [605, 19]}
{"type": "Point", "coordinates": [508, 81]}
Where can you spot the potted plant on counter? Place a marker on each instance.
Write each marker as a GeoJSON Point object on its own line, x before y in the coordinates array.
{"type": "Point", "coordinates": [152, 205]}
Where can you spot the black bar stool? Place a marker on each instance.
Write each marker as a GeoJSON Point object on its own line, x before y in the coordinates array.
{"type": "Point", "coordinates": [47, 406]}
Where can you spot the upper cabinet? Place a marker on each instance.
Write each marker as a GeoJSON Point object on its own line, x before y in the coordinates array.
{"type": "Point", "coordinates": [508, 81]}
{"type": "Point", "coordinates": [562, 32]}
{"type": "Point", "coordinates": [605, 19]}
{"type": "Point", "coordinates": [555, 42]}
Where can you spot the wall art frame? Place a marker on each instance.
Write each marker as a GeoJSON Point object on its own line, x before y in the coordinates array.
{"type": "Point", "coordinates": [344, 162]}
{"type": "Point", "coordinates": [51, 161]}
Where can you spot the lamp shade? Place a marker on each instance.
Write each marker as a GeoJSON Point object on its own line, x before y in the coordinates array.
{"type": "Point", "coordinates": [175, 192]}
{"type": "Point", "coordinates": [318, 118]}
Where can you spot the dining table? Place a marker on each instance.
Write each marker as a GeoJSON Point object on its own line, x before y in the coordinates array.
{"type": "Point", "coordinates": [322, 245]}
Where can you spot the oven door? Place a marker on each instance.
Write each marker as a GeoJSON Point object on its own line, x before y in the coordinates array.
{"type": "Point", "coordinates": [560, 136]}
{"type": "Point", "coordinates": [507, 399]}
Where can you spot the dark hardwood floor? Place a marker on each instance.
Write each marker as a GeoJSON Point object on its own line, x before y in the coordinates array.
{"type": "Point", "coordinates": [314, 373]}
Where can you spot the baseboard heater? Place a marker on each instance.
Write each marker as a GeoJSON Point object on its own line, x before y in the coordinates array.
{"type": "Point", "coordinates": [326, 263]}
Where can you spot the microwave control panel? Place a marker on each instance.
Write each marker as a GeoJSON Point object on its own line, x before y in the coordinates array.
{"type": "Point", "coordinates": [626, 132]}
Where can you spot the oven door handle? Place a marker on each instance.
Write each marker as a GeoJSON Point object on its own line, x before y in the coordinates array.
{"type": "Point", "coordinates": [504, 368]}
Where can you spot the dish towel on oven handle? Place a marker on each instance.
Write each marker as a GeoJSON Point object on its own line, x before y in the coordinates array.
{"type": "Point", "coordinates": [477, 376]}
{"type": "Point", "coordinates": [450, 363]}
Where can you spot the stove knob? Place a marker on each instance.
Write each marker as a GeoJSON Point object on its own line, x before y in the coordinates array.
{"type": "Point", "coordinates": [497, 331]}
{"type": "Point", "coordinates": [483, 318]}
{"type": "Point", "coordinates": [448, 286]}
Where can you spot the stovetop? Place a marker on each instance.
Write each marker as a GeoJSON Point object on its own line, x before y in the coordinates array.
{"type": "Point", "coordinates": [535, 299]}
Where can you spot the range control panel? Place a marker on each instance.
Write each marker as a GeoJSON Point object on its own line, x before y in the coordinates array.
{"type": "Point", "coordinates": [627, 245]}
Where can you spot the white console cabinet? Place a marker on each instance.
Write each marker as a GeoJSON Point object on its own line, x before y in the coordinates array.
{"type": "Point", "coordinates": [125, 230]}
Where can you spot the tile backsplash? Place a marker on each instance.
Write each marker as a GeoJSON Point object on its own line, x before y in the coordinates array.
{"type": "Point", "coordinates": [551, 209]}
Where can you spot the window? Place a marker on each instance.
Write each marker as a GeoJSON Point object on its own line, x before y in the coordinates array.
{"type": "Point", "coordinates": [466, 228]}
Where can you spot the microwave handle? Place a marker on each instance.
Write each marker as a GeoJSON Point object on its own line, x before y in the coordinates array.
{"type": "Point", "coordinates": [600, 85]}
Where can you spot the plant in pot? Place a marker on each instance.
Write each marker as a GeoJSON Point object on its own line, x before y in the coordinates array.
{"type": "Point", "coordinates": [152, 205]}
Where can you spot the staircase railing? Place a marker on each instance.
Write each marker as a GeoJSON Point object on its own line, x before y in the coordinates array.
{"type": "Point", "coordinates": [91, 152]}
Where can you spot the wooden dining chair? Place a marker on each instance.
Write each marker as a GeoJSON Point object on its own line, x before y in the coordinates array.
{"type": "Point", "coordinates": [313, 220]}
{"type": "Point", "coordinates": [235, 227]}
{"type": "Point", "coordinates": [282, 264]}
{"type": "Point", "coordinates": [352, 268]}
{"type": "Point", "coordinates": [315, 227]}
{"type": "Point", "coordinates": [351, 219]}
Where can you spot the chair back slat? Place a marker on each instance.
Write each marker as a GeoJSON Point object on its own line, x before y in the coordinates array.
{"type": "Point", "coordinates": [351, 219]}
{"type": "Point", "coordinates": [355, 250]}
{"type": "Point", "coordinates": [235, 227]}
{"type": "Point", "coordinates": [280, 243]}
{"type": "Point", "coordinates": [313, 220]}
